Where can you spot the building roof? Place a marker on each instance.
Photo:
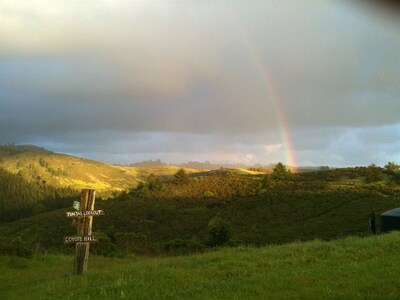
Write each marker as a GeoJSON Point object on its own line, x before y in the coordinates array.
{"type": "Point", "coordinates": [395, 212]}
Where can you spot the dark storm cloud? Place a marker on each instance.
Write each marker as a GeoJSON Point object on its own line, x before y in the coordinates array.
{"type": "Point", "coordinates": [189, 78]}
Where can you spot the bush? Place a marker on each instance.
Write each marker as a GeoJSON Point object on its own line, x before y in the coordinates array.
{"type": "Point", "coordinates": [104, 246]}
{"type": "Point", "coordinates": [208, 194]}
{"type": "Point", "coordinates": [219, 232]}
{"type": "Point", "coordinates": [15, 247]}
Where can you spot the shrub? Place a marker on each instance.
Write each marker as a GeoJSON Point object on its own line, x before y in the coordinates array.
{"type": "Point", "coordinates": [104, 246]}
{"type": "Point", "coordinates": [15, 247]}
{"type": "Point", "coordinates": [208, 194]}
{"type": "Point", "coordinates": [219, 232]}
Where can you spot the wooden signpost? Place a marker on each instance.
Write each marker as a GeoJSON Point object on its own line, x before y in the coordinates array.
{"type": "Point", "coordinates": [84, 229]}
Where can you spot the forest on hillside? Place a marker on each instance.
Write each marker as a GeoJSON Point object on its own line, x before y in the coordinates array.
{"type": "Point", "coordinates": [196, 212]}
{"type": "Point", "coordinates": [21, 199]}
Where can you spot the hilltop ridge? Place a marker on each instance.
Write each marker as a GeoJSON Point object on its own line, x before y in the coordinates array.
{"type": "Point", "coordinates": [35, 164]}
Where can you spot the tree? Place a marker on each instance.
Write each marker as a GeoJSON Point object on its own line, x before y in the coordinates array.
{"type": "Point", "coordinates": [154, 183]}
{"type": "Point", "coordinates": [394, 171]}
{"type": "Point", "coordinates": [181, 176]}
{"type": "Point", "coordinates": [142, 190]}
{"type": "Point", "coordinates": [281, 172]}
{"type": "Point", "coordinates": [392, 167]}
{"type": "Point", "coordinates": [373, 173]}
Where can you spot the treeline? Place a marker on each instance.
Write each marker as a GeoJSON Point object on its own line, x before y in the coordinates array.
{"type": "Point", "coordinates": [12, 149]}
{"type": "Point", "coordinates": [390, 173]}
{"type": "Point", "coordinates": [20, 199]}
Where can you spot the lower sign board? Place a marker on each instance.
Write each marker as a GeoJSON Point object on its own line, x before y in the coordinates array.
{"type": "Point", "coordinates": [84, 213]}
{"type": "Point", "coordinates": [80, 239]}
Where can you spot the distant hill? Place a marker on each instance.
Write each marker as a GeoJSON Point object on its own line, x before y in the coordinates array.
{"type": "Point", "coordinates": [215, 166]}
{"type": "Point", "coordinates": [232, 171]}
{"type": "Point", "coordinates": [149, 163]}
{"type": "Point", "coordinates": [60, 170]}
{"type": "Point", "coordinates": [188, 165]}
{"type": "Point", "coordinates": [35, 164]}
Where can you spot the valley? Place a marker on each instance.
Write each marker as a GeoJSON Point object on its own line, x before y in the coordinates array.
{"type": "Point", "coordinates": [160, 212]}
{"type": "Point", "coordinates": [259, 232]}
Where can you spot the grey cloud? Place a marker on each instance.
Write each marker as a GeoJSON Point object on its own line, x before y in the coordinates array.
{"type": "Point", "coordinates": [334, 147]}
{"type": "Point", "coordinates": [191, 77]}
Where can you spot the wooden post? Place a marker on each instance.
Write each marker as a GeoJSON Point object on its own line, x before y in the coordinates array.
{"type": "Point", "coordinates": [84, 229]}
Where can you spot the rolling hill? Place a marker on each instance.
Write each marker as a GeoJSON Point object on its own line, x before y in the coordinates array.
{"type": "Point", "coordinates": [155, 219]}
{"type": "Point", "coordinates": [166, 216]}
{"type": "Point", "coordinates": [36, 164]}
{"type": "Point", "coordinates": [162, 218]}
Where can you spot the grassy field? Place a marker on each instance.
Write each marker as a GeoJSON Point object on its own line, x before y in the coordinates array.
{"type": "Point", "coordinates": [351, 268]}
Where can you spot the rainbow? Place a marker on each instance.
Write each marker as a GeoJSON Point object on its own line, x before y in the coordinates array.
{"type": "Point", "coordinates": [281, 119]}
{"type": "Point", "coordinates": [272, 95]}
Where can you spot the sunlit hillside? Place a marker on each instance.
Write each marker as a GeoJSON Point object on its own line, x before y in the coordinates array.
{"type": "Point", "coordinates": [60, 170]}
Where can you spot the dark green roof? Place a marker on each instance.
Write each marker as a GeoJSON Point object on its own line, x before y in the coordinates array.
{"type": "Point", "coordinates": [395, 212]}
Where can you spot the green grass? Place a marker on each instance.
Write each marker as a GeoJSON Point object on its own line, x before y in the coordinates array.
{"type": "Point", "coordinates": [352, 268]}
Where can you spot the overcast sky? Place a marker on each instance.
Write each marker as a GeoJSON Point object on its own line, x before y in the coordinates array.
{"type": "Point", "coordinates": [302, 82]}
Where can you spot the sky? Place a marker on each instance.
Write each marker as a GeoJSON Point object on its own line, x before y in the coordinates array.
{"type": "Point", "coordinates": [306, 83]}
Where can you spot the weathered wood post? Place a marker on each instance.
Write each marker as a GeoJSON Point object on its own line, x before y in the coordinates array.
{"type": "Point", "coordinates": [84, 228]}
{"type": "Point", "coordinates": [84, 214]}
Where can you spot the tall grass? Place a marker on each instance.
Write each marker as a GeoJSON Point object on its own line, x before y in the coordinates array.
{"type": "Point", "coordinates": [351, 268]}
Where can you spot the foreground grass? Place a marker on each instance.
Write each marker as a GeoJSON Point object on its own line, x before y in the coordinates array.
{"type": "Point", "coordinates": [352, 268]}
